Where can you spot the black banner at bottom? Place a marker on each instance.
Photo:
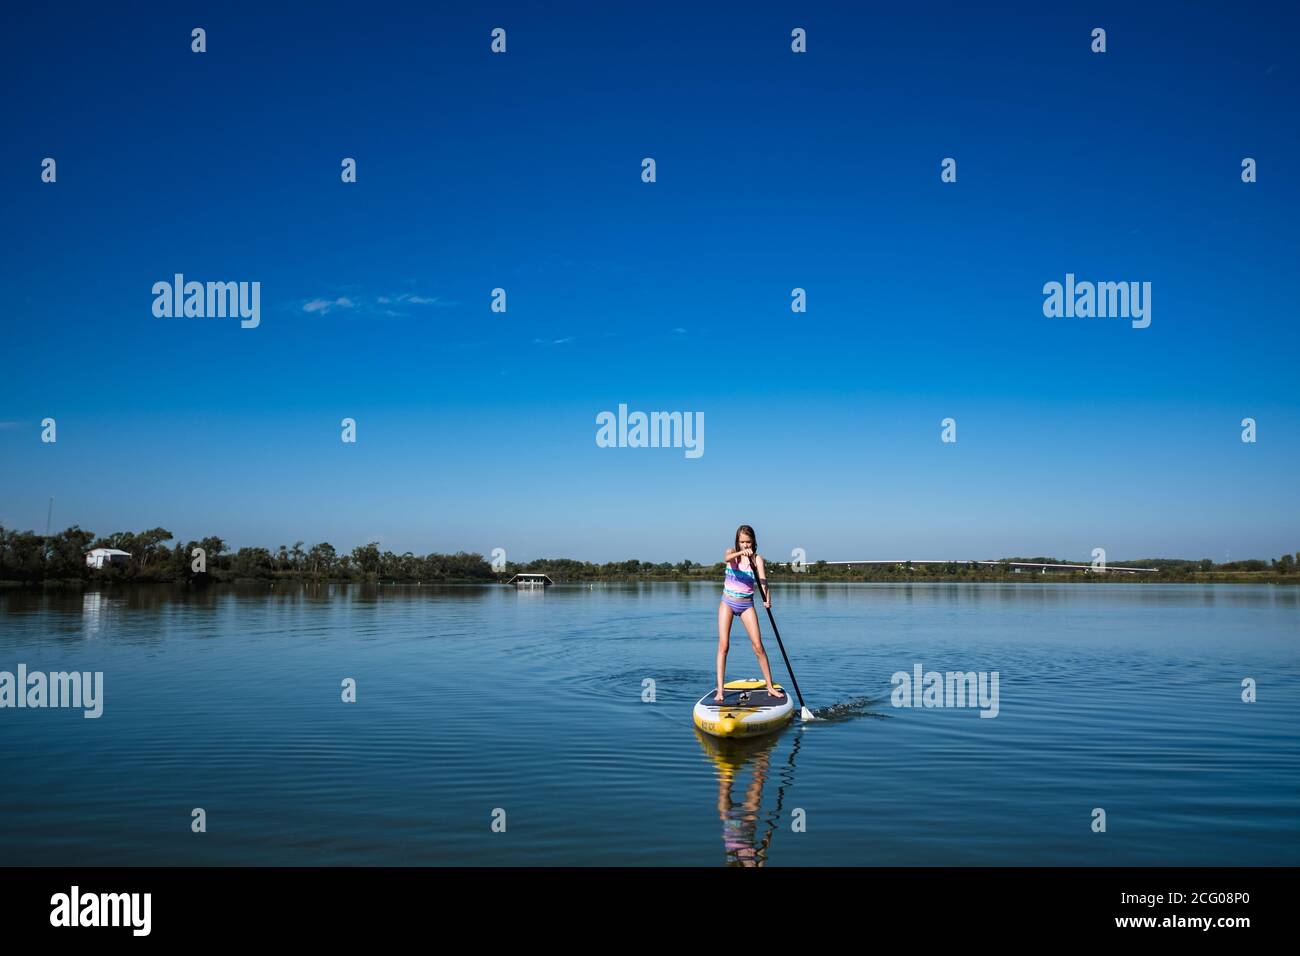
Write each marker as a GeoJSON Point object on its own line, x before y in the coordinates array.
{"type": "Point", "coordinates": [93, 905]}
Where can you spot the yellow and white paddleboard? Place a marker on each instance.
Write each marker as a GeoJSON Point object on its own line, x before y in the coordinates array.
{"type": "Point", "coordinates": [746, 710]}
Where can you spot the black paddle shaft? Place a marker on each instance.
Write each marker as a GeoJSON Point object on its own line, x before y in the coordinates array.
{"type": "Point", "coordinates": [766, 594]}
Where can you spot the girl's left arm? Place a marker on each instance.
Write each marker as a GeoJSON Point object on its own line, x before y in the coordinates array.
{"type": "Point", "coordinates": [764, 590]}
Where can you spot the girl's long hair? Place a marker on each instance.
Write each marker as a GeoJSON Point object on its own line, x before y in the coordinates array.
{"type": "Point", "coordinates": [746, 529]}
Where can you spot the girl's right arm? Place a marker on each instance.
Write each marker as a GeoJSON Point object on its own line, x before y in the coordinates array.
{"type": "Point", "coordinates": [733, 555]}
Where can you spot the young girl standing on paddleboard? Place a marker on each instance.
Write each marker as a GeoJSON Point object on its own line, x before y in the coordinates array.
{"type": "Point", "coordinates": [742, 562]}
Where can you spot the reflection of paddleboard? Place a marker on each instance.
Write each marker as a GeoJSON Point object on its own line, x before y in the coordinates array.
{"type": "Point", "coordinates": [734, 755]}
{"type": "Point", "coordinates": [746, 710]}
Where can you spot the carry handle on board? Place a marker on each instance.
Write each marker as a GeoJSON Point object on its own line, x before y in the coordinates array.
{"type": "Point", "coordinates": [766, 594]}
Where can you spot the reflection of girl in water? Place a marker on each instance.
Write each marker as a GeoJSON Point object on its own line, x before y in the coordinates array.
{"type": "Point", "coordinates": [740, 822]}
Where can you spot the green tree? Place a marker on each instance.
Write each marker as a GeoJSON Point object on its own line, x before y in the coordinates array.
{"type": "Point", "coordinates": [321, 558]}
{"type": "Point", "coordinates": [367, 558]}
{"type": "Point", "coordinates": [253, 563]}
{"type": "Point", "coordinates": [25, 556]}
{"type": "Point", "coordinates": [67, 553]}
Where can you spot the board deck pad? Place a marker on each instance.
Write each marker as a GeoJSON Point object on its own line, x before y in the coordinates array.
{"type": "Point", "coordinates": [732, 699]}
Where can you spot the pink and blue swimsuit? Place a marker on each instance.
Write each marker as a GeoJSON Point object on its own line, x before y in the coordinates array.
{"type": "Point", "coordinates": [738, 588]}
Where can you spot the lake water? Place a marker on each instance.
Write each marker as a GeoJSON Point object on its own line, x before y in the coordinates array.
{"type": "Point", "coordinates": [472, 700]}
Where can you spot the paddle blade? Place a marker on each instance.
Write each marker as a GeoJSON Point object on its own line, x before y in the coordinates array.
{"type": "Point", "coordinates": [806, 714]}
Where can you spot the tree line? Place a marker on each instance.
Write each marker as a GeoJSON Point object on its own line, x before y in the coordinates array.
{"type": "Point", "coordinates": [1167, 570]}
{"type": "Point", "coordinates": [27, 557]}
{"type": "Point", "coordinates": [157, 557]}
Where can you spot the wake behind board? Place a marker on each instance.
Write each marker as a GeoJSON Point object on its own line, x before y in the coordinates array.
{"type": "Point", "coordinates": [746, 710]}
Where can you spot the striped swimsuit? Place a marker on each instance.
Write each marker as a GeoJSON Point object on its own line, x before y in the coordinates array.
{"type": "Point", "coordinates": [738, 588]}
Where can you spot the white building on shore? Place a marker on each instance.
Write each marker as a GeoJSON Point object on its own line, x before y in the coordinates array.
{"type": "Point", "coordinates": [98, 557]}
{"type": "Point", "coordinates": [530, 581]}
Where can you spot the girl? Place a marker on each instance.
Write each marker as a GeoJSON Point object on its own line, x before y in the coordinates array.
{"type": "Point", "coordinates": [738, 601]}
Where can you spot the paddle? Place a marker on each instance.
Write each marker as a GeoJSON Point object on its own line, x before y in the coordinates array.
{"type": "Point", "coordinates": [766, 595]}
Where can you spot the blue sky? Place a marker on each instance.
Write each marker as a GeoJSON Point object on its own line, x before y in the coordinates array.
{"type": "Point", "coordinates": [477, 430]}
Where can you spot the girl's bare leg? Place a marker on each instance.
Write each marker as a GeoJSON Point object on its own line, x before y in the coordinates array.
{"type": "Point", "coordinates": [750, 620]}
{"type": "Point", "coordinates": [724, 639]}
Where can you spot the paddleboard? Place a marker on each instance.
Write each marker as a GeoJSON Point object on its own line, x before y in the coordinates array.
{"type": "Point", "coordinates": [745, 711]}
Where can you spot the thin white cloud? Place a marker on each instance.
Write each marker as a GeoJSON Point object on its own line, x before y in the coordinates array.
{"type": "Point", "coordinates": [323, 306]}
{"type": "Point", "coordinates": [422, 299]}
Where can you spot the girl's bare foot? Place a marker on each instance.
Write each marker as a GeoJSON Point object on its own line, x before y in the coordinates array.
{"type": "Point", "coordinates": [718, 697]}
{"type": "Point", "coordinates": [775, 691]}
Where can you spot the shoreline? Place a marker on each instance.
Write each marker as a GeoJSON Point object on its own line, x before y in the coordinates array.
{"type": "Point", "coordinates": [1081, 578]}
